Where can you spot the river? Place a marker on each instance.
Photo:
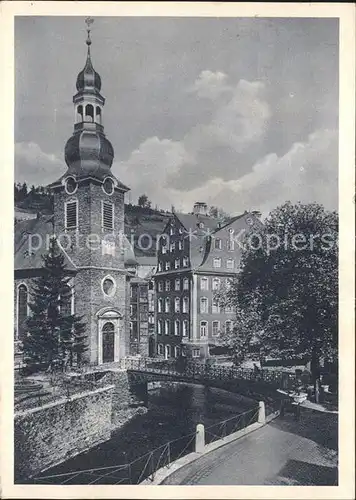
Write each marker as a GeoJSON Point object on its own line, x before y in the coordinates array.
{"type": "Point", "coordinates": [174, 410]}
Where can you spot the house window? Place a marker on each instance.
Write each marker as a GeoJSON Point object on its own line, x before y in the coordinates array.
{"type": "Point", "coordinates": [176, 327]}
{"type": "Point", "coordinates": [166, 327]}
{"type": "Point", "coordinates": [228, 309]}
{"type": "Point", "coordinates": [180, 245]}
{"type": "Point", "coordinates": [203, 329]}
{"type": "Point", "coordinates": [180, 230]}
{"type": "Point", "coordinates": [185, 304]}
{"type": "Point", "coordinates": [172, 247]}
{"type": "Point", "coordinates": [196, 353]}
{"type": "Point", "coordinates": [185, 332]}
{"type": "Point", "coordinates": [216, 328]}
{"type": "Point", "coordinates": [164, 249]}
{"type": "Point", "coordinates": [160, 266]}
{"type": "Point", "coordinates": [203, 305]}
{"type": "Point", "coordinates": [176, 351]}
{"type": "Point", "coordinates": [159, 327]}
{"type": "Point", "coordinates": [176, 264]}
{"type": "Point", "coordinates": [185, 262]}
{"type": "Point", "coordinates": [22, 311]}
{"type": "Point", "coordinates": [230, 244]}
{"type": "Point", "coordinates": [108, 216]}
{"type": "Point", "coordinates": [168, 266]}
{"type": "Point", "coordinates": [177, 305]}
{"type": "Point", "coordinates": [168, 286]}
{"type": "Point", "coordinates": [160, 349]}
{"type": "Point", "coordinates": [160, 305]}
{"type": "Point", "coordinates": [71, 214]}
{"type": "Point", "coordinates": [230, 263]}
{"type": "Point", "coordinates": [200, 225]}
{"type": "Point", "coordinates": [160, 286]}
{"type": "Point", "coordinates": [167, 305]}
{"type": "Point", "coordinates": [171, 231]}
{"type": "Point", "coordinates": [167, 351]}
{"type": "Point", "coordinates": [217, 262]}
{"type": "Point", "coordinates": [186, 284]}
{"type": "Point", "coordinates": [131, 310]}
{"type": "Point", "coordinates": [216, 307]}
{"type": "Point", "coordinates": [216, 283]}
{"type": "Point", "coordinates": [177, 285]}
{"type": "Point", "coordinates": [204, 283]}
{"type": "Point", "coordinates": [228, 326]}
{"type": "Point", "coordinates": [217, 244]}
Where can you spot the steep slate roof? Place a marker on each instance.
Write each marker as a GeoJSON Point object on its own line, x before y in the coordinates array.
{"type": "Point", "coordinates": [39, 229]}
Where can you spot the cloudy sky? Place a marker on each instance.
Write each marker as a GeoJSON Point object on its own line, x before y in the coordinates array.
{"type": "Point", "coordinates": [238, 112]}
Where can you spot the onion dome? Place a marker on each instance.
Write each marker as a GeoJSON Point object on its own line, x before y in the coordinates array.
{"type": "Point", "coordinates": [88, 152]}
{"type": "Point", "coordinates": [88, 78]}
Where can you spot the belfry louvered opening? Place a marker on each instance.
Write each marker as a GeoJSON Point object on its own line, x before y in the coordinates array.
{"type": "Point", "coordinates": [71, 214]}
{"type": "Point", "coordinates": [108, 216]}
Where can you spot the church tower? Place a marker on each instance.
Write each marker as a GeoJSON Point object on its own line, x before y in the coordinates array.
{"type": "Point", "coordinates": [89, 222]}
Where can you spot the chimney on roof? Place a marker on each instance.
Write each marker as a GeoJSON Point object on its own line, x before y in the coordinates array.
{"type": "Point", "coordinates": [200, 208]}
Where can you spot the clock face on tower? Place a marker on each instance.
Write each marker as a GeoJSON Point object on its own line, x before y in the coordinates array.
{"type": "Point", "coordinates": [70, 185]}
{"type": "Point", "coordinates": [108, 186]}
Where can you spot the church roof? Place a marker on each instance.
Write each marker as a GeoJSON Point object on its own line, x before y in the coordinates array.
{"type": "Point", "coordinates": [31, 242]}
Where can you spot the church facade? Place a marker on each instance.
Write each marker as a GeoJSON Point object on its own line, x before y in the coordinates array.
{"type": "Point", "coordinates": [88, 222]}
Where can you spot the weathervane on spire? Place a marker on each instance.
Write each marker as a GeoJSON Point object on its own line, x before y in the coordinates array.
{"type": "Point", "coordinates": [88, 21]}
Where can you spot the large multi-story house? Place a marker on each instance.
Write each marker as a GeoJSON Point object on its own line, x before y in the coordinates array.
{"type": "Point", "coordinates": [196, 254]}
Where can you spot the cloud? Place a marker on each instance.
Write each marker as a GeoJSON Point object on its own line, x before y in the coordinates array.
{"type": "Point", "coordinates": [210, 85]}
{"type": "Point", "coordinates": [306, 173]}
{"type": "Point", "coordinates": [238, 118]}
{"type": "Point", "coordinates": [34, 166]}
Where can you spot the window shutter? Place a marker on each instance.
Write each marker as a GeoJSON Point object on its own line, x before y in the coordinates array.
{"type": "Point", "coordinates": [71, 216]}
{"type": "Point", "coordinates": [108, 216]}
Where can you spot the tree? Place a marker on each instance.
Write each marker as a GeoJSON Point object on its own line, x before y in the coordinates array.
{"type": "Point", "coordinates": [289, 272]}
{"type": "Point", "coordinates": [54, 333]}
{"type": "Point", "coordinates": [143, 201]}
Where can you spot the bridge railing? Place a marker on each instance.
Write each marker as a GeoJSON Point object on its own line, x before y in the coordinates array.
{"type": "Point", "coordinates": [203, 371]}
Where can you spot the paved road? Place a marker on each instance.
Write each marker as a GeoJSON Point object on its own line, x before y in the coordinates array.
{"type": "Point", "coordinates": [283, 452]}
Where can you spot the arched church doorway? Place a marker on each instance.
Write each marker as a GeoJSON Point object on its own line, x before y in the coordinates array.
{"type": "Point", "coordinates": [111, 344]}
{"type": "Point", "coordinates": [108, 336]}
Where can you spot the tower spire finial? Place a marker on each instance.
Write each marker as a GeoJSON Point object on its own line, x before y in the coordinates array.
{"type": "Point", "coordinates": [88, 21]}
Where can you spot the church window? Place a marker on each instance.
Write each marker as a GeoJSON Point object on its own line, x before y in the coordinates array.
{"type": "Point", "coordinates": [89, 113]}
{"type": "Point", "coordinates": [22, 299]}
{"type": "Point", "coordinates": [108, 186]}
{"type": "Point", "coordinates": [70, 185]}
{"type": "Point", "coordinates": [66, 301]}
{"type": "Point", "coordinates": [108, 286]}
{"type": "Point", "coordinates": [98, 115]}
{"type": "Point", "coordinates": [108, 216]}
{"type": "Point", "coordinates": [79, 113]}
{"type": "Point", "coordinates": [71, 214]}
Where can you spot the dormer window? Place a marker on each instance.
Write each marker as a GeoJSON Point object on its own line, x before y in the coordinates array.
{"type": "Point", "coordinates": [200, 225]}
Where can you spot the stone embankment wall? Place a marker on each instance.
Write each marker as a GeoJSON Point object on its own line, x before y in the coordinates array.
{"type": "Point", "coordinates": [55, 432]}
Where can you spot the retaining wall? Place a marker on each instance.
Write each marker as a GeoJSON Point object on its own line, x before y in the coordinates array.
{"type": "Point", "coordinates": [57, 431]}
